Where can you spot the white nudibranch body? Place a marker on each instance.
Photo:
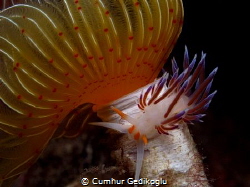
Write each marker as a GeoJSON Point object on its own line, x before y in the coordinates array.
{"type": "Point", "coordinates": [164, 104]}
{"type": "Point", "coordinates": [153, 115]}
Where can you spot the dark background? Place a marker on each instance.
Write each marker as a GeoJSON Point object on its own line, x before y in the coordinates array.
{"type": "Point", "coordinates": [217, 28]}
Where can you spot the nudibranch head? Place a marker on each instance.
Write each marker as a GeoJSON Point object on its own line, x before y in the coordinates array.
{"type": "Point", "coordinates": [167, 103]}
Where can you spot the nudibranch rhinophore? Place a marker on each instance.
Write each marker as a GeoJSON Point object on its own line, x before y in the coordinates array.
{"type": "Point", "coordinates": [62, 59]}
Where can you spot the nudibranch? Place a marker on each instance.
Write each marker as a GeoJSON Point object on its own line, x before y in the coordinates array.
{"type": "Point", "coordinates": [164, 105]}
{"type": "Point", "coordinates": [62, 59]}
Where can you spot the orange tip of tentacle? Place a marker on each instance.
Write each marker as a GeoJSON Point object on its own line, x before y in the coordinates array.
{"type": "Point", "coordinates": [144, 139]}
{"type": "Point", "coordinates": [123, 116]}
{"type": "Point", "coordinates": [137, 136]}
{"type": "Point", "coordinates": [131, 129]}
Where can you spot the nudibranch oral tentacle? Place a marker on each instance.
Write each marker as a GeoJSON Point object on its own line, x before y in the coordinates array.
{"type": "Point", "coordinates": [60, 60]}
{"type": "Point", "coordinates": [165, 104]}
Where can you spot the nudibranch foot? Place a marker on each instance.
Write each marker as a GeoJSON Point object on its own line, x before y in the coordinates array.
{"type": "Point", "coordinates": [162, 106]}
